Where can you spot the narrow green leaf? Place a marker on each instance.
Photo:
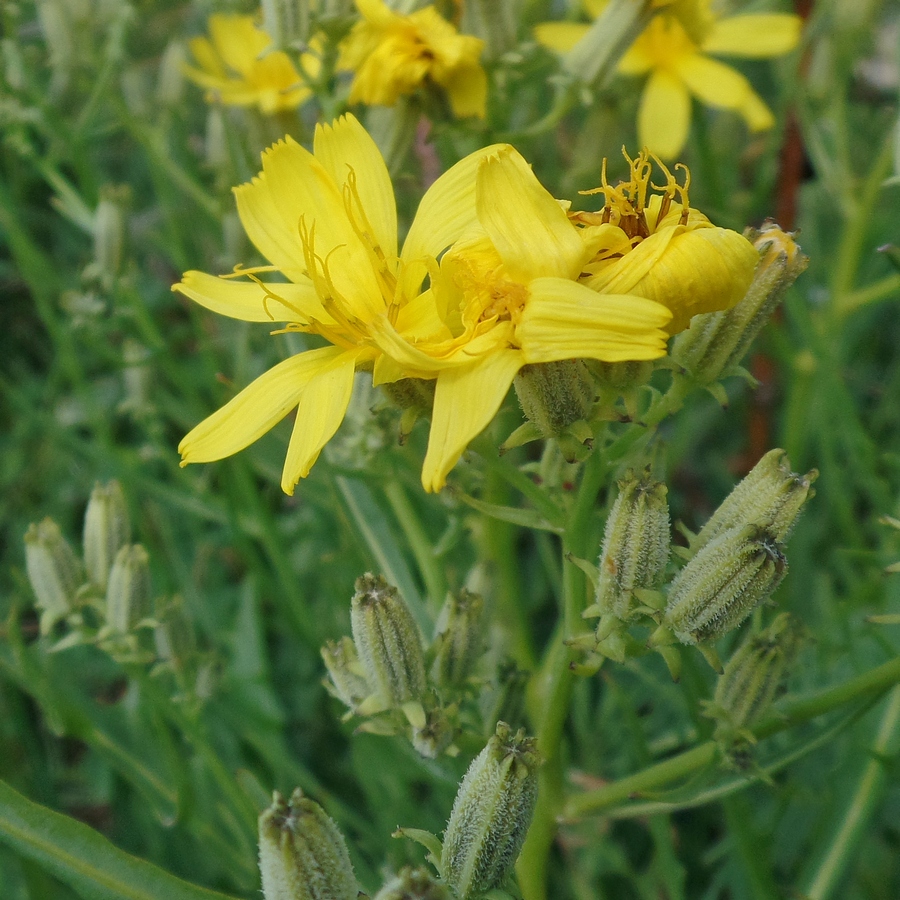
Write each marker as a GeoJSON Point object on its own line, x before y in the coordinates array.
{"type": "Point", "coordinates": [84, 859]}
{"type": "Point", "coordinates": [516, 515]}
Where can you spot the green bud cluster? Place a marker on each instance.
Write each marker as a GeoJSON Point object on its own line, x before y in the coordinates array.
{"type": "Point", "coordinates": [716, 343]}
{"type": "Point", "coordinates": [771, 495]}
{"type": "Point", "coordinates": [491, 814]}
{"type": "Point", "coordinates": [385, 675]}
{"type": "Point", "coordinates": [302, 853]}
{"type": "Point", "coordinates": [723, 583]}
{"type": "Point", "coordinates": [752, 680]}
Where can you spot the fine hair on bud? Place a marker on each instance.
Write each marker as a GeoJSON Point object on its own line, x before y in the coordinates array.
{"type": "Point", "coordinates": [555, 395]}
{"type": "Point", "coordinates": [635, 544]}
{"type": "Point", "coordinates": [302, 853]}
{"type": "Point", "coordinates": [387, 641]}
{"type": "Point", "coordinates": [106, 530]}
{"type": "Point", "coordinates": [723, 583]}
{"type": "Point", "coordinates": [491, 814]}
{"type": "Point", "coordinates": [770, 495]}
{"type": "Point", "coordinates": [458, 638]}
{"type": "Point", "coordinates": [346, 679]}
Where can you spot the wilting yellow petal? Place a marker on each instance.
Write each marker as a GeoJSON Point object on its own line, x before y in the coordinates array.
{"type": "Point", "coordinates": [529, 229]}
{"type": "Point", "coordinates": [560, 36]}
{"type": "Point", "coordinates": [320, 413]}
{"type": "Point", "coordinates": [465, 401]}
{"type": "Point", "coordinates": [565, 320]}
{"type": "Point", "coordinates": [256, 409]}
{"type": "Point", "coordinates": [346, 147]}
{"type": "Point", "coordinates": [251, 302]}
{"type": "Point", "coordinates": [238, 41]}
{"type": "Point", "coordinates": [756, 36]}
{"type": "Point", "coordinates": [712, 82]}
{"type": "Point", "coordinates": [664, 116]}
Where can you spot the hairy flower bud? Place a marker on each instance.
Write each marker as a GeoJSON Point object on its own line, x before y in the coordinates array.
{"type": "Point", "coordinates": [635, 544]}
{"type": "Point", "coordinates": [555, 395]}
{"type": "Point", "coordinates": [723, 583]}
{"type": "Point", "coordinates": [302, 854]}
{"type": "Point", "coordinates": [754, 676]}
{"type": "Point", "coordinates": [503, 700]}
{"type": "Point", "coordinates": [387, 641]}
{"type": "Point", "coordinates": [128, 592]}
{"type": "Point", "coordinates": [53, 570]}
{"type": "Point", "coordinates": [458, 638]}
{"type": "Point", "coordinates": [174, 636]}
{"type": "Point", "coordinates": [415, 396]}
{"type": "Point", "coordinates": [770, 495]}
{"type": "Point", "coordinates": [346, 677]}
{"type": "Point", "coordinates": [433, 736]}
{"type": "Point", "coordinates": [106, 530]}
{"type": "Point", "coordinates": [717, 342]}
{"type": "Point", "coordinates": [491, 814]}
{"type": "Point", "coordinates": [414, 884]}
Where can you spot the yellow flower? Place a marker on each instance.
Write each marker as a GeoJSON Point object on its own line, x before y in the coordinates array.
{"type": "Point", "coordinates": [674, 50]}
{"type": "Point", "coordinates": [237, 69]}
{"type": "Point", "coordinates": [505, 294]}
{"type": "Point", "coordinates": [659, 247]}
{"type": "Point", "coordinates": [393, 55]}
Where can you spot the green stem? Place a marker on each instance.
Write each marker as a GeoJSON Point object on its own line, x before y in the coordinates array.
{"type": "Point", "coordinates": [879, 290]}
{"type": "Point", "coordinates": [552, 687]}
{"type": "Point", "coordinates": [841, 850]}
{"type": "Point", "coordinates": [700, 757]}
{"type": "Point", "coordinates": [432, 571]}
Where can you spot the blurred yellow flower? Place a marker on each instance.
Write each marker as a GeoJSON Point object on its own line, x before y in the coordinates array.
{"type": "Point", "coordinates": [674, 50]}
{"type": "Point", "coordinates": [657, 246]}
{"type": "Point", "coordinates": [238, 69]}
{"type": "Point", "coordinates": [505, 294]}
{"type": "Point", "coordinates": [393, 55]}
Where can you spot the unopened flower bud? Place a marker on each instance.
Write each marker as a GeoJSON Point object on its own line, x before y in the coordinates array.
{"type": "Point", "coordinates": [53, 570]}
{"type": "Point", "coordinates": [415, 396]}
{"type": "Point", "coordinates": [433, 737]}
{"type": "Point", "coordinates": [174, 637]}
{"type": "Point", "coordinates": [723, 583]}
{"type": "Point", "coordinates": [555, 395]}
{"type": "Point", "coordinates": [491, 814]}
{"type": "Point", "coordinates": [128, 592]}
{"type": "Point", "coordinates": [504, 699]}
{"type": "Point", "coordinates": [458, 638]}
{"type": "Point", "coordinates": [109, 233]}
{"type": "Point", "coordinates": [171, 79]}
{"type": "Point", "coordinates": [346, 676]}
{"type": "Point", "coordinates": [635, 544]}
{"type": "Point", "coordinates": [387, 641]}
{"type": "Point", "coordinates": [302, 854]}
{"type": "Point", "coordinates": [770, 495]}
{"type": "Point", "coordinates": [717, 342]}
{"type": "Point", "coordinates": [414, 884]}
{"type": "Point", "coordinates": [754, 676]}
{"type": "Point", "coordinates": [106, 530]}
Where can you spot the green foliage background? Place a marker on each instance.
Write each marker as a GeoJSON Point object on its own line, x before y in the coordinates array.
{"type": "Point", "coordinates": [104, 369]}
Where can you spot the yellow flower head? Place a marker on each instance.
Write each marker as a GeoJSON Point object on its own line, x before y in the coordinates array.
{"type": "Point", "coordinates": [505, 294]}
{"type": "Point", "coordinates": [674, 50]}
{"type": "Point", "coordinates": [238, 69]}
{"type": "Point", "coordinates": [393, 55]}
{"type": "Point", "coordinates": [657, 246]}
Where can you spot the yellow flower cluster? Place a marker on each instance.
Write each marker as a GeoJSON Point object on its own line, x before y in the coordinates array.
{"type": "Point", "coordinates": [675, 52]}
{"type": "Point", "coordinates": [238, 68]}
{"type": "Point", "coordinates": [521, 279]}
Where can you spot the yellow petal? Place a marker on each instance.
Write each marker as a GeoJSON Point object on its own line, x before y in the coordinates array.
{"type": "Point", "coordinates": [755, 112]}
{"type": "Point", "coordinates": [530, 230]}
{"type": "Point", "coordinates": [594, 7]}
{"type": "Point", "coordinates": [565, 320]}
{"type": "Point", "coordinates": [377, 13]}
{"type": "Point", "coordinates": [238, 41]}
{"type": "Point", "coordinates": [253, 302]}
{"type": "Point", "coordinates": [712, 82]}
{"type": "Point", "coordinates": [347, 147]}
{"type": "Point", "coordinates": [560, 36]}
{"type": "Point", "coordinates": [446, 211]}
{"type": "Point", "coordinates": [636, 60]}
{"type": "Point", "coordinates": [256, 409]}
{"type": "Point", "coordinates": [295, 186]}
{"type": "Point", "coordinates": [755, 35]}
{"type": "Point", "coordinates": [205, 54]}
{"type": "Point", "coordinates": [664, 117]}
{"type": "Point", "coordinates": [465, 401]}
{"type": "Point", "coordinates": [320, 413]}
{"type": "Point", "coordinates": [467, 89]}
